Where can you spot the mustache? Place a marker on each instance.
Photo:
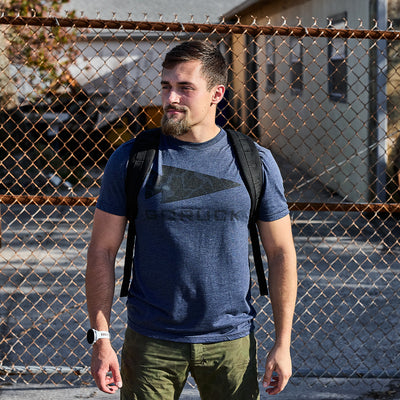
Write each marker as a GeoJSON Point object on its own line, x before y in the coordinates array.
{"type": "Point", "coordinates": [175, 108]}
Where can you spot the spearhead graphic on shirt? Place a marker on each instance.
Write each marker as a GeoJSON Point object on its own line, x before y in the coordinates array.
{"type": "Point", "coordinates": [177, 184]}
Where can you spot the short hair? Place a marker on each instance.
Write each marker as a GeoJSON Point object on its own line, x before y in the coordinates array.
{"type": "Point", "coordinates": [214, 66]}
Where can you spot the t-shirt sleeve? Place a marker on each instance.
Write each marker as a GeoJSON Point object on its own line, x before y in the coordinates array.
{"type": "Point", "coordinates": [112, 198]}
{"type": "Point", "coordinates": [273, 204]}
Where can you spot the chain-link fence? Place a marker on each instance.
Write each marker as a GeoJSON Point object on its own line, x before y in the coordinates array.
{"type": "Point", "coordinates": [323, 99]}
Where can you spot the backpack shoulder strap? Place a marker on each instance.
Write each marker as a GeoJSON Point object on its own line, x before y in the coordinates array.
{"type": "Point", "coordinates": [250, 167]}
{"type": "Point", "coordinates": [140, 161]}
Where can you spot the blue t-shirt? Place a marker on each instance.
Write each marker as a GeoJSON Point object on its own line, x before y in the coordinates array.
{"type": "Point", "coordinates": [192, 280]}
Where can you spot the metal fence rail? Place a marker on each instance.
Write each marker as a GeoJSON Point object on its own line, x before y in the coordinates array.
{"type": "Point", "coordinates": [310, 94]}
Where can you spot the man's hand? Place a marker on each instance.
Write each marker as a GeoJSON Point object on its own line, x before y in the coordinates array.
{"type": "Point", "coordinates": [105, 367]}
{"type": "Point", "coordinates": [280, 363]}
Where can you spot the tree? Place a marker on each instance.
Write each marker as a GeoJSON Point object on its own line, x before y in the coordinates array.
{"type": "Point", "coordinates": [34, 63]}
{"type": "Point", "coordinates": [40, 55]}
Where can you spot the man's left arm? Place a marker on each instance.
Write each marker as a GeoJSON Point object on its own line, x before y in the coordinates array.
{"type": "Point", "coordinates": [277, 240]}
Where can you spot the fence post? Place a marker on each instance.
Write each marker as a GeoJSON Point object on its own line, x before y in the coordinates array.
{"type": "Point", "coordinates": [381, 106]}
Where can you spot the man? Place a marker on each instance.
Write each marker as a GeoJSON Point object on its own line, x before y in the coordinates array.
{"type": "Point", "coordinates": [189, 304]}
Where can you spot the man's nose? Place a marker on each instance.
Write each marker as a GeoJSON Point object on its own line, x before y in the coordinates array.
{"type": "Point", "coordinates": [173, 97]}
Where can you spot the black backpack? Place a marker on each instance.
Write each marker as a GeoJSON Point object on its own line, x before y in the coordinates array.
{"type": "Point", "coordinates": [140, 161]}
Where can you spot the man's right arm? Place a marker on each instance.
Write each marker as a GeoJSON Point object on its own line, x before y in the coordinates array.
{"type": "Point", "coordinates": [108, 232]}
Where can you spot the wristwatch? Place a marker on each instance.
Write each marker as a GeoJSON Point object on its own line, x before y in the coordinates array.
{"type": "Point", "coordinates": [93, 336]}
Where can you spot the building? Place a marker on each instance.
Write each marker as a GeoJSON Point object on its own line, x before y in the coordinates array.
{"type": "Point", "coordinates": [321, 101]}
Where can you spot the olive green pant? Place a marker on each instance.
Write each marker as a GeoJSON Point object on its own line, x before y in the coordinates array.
{"type": "Point", "coordinates": [155, 369]}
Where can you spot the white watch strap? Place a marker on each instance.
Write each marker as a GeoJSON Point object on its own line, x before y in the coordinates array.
{"type": "Point", "coordinates": [101, 335]}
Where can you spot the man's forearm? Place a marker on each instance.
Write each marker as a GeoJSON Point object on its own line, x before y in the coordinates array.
{"type": "Point", "coordinates": [107, 235]}
{"type": "Point", "coordinates": [100, 286]}
{"type": "Point", "coordinates": [283, 293]}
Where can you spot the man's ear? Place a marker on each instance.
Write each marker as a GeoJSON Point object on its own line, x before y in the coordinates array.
{"type": "Point", "coordinates": [219, 92]}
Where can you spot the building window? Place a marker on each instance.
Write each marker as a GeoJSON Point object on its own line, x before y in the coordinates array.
{"type": "Point", "coordinates": [296, 66]}
{"type": "Point", "coordinates": [337, 64]}
{"type": "Point", "coordinates": [271, 66]}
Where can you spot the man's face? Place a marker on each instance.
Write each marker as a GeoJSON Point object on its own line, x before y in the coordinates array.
{"type": "Point", "coordinates": [186, 100]}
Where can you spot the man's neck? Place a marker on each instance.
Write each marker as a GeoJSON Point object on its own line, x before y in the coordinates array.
{"type": "Point", "coordinates": [200, 135]}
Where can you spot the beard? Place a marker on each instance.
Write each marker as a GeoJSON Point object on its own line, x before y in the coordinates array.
{"type": "Point", "coordinates": [174, 127]}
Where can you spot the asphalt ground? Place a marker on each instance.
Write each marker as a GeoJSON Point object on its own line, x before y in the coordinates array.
{"type": "Point", "coordinates": [297, 389]}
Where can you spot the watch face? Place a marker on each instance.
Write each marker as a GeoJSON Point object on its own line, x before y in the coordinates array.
{"type": "Point", "coordinates": [90, 336]}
